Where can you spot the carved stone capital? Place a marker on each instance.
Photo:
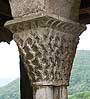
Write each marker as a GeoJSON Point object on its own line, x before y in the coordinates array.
{"type": "Point", "coordinates": [47, 46]}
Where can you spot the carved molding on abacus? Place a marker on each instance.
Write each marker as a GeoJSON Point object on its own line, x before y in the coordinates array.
{"type": "Point", "coordinates": [52, 21]}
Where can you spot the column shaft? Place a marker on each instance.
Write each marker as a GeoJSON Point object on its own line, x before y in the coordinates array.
{"type": "Point", "coordinates": [60, 92]}
{"type": "Point", "coordinates": [50, 92]}
{"type": "Point", "coordinates": [43, 92]}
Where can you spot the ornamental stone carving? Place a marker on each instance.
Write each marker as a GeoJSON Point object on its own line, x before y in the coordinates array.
{"type": "Point", "coordinates": [47, 33]}
{"type": "Point", "coordinates": [47, 46]}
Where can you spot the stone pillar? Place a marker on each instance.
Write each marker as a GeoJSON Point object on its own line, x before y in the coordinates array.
{"type": "Point", "coordinates": [47, 33]}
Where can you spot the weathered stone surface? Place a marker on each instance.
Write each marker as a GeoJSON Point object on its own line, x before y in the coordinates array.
{"type": "Point", "coordinates": [47, 37]}
{"type": "Point", "coordinates": [65, 8]}
{"type": "Point", "coordinates": [47, 46]}
{"type": "Point", "coordinates": [50, 92]}
{"type": "Point", "coordinates": [43, 92]}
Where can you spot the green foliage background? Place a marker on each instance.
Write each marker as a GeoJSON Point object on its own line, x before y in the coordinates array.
{"type": "Point", "coordinates": [10, 91]}
{"type": "Point", "coordinates": [79, 82]}
{"type": "Point", "coordinates": [80, 95]}
{"type": "Point", "coordinates": [80, 76]}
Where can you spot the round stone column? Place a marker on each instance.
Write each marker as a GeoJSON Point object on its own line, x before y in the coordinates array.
{"type": "Point", "coordinates": [47, 34]}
